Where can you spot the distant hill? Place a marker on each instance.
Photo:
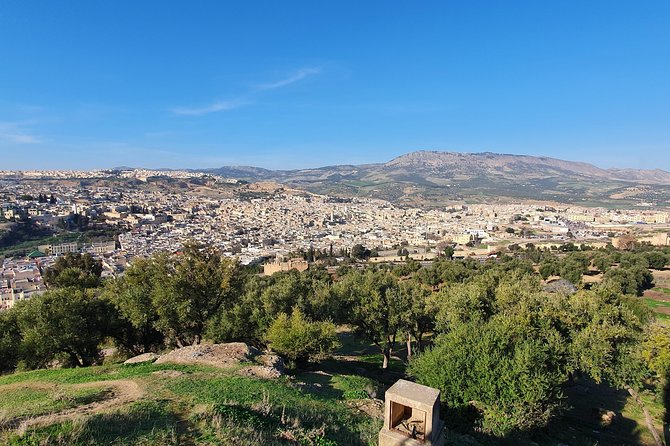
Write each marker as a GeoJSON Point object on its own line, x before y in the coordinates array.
{"type": "Point", "coordinates": [242, 172]}
{"type": "Point", "coordinates": [430, 178]}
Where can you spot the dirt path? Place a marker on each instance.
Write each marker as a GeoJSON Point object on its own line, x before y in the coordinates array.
{"type": "Point", "coordinates": [121, 392]}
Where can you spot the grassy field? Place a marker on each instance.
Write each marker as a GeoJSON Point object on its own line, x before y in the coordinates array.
{"type": "Point", "coordinates": [177, 405]}
{"type": "Point", "coordinates": [658, 298]}
{"type": "Point", "coordinates": [660, 307]}
{"type": "Point", "coordinates": [334, 403]}
{"type": "Point", "coordinates": [33, 399]}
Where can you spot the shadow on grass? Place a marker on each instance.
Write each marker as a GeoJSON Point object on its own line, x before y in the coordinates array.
{"type": "Point", "coordinates": [357, 356]}
{"type": "Point", "coordinates": [274, 400]}
{"type": "Point", "coordinates": [580, 425]}
{"type": "Point", "coordinates": [280, 425]}
{"type": "Point", "coordinates": [355, 372]}
{"type": "Point", "coordinates": [147, 422]}
{"type": "Point", "coordinates": [583, 422]}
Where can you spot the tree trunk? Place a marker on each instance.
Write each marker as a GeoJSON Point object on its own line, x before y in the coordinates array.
{"type": "Point", "coordinates": [387, 357]}
{"type": "Point", "coordinates": [647, 416]}
{"type": "Point", "coordinates": [75, 359]}
{"type": "Point", "coordinates": [409, 346]}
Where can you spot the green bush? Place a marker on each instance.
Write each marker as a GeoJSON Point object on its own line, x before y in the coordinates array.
{"type": "Point", "coordinates": [656, 259]}
{"type": "Point", "coordinates": [299, 339]}
{"type": "Point", "coordinates": [512, 380]}
{"type": "Point", "coordinates": [65, 324]}
{"type": "Point", "coordinates": [9, 341]}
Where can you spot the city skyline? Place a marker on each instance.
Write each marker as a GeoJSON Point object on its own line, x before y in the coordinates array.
{"type": "Point", "coordinates": [205, 170]}
{"type": "Point", "coordinates": [299, 85]}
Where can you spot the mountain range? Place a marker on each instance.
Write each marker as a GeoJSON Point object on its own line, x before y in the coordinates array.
{"type": "Point", "coordinates": [433, 178]}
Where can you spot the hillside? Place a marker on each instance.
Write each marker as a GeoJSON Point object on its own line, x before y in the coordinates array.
{"type": "Point", "coordinates": [429, 178]}
{"type": "Point", "coordinates": [328, 389]}
{"type": "Point", "coordinates": [182, 404]}
{"type": "Point", "coordinates": [171, 404]}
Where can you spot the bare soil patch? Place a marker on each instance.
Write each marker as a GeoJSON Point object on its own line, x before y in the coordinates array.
{"type": "Point", "coordinates": [657, 295]}
{"type": "Point", "coordinates": [121, 392]}
{"type": "Point", "coordinates": [372, 407]}
{"type": "Point", "coordinates": [168, 373]}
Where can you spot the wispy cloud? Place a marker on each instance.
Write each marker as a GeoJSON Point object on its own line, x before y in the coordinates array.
{"type": "Point", "coordinates": [295, 77]}
{"type": "Point", "coordinates": [14, 132]}
{"type": "Point", "coordinates": [220, 106]}
{"type": "Point", "coordinates": [211, 108]}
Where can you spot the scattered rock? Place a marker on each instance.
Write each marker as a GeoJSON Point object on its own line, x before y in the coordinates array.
{"type": "Point", "coordinates": [607, 417]}
{"type": "Point", "coordinates": [168, 373]}
{"type": "Point", "coordinates": [268, 366]}
{"type": "Point", "coordinates": [216, 355]}
{"type": "Point", "coordinates": [260, 371]}
{"type": "Point", "coordinates": [274, 361]}
{"type": "Point", "coordinates": [145, 357]}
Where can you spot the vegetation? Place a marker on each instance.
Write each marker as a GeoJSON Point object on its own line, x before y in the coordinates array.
{"type": "Point", "coordinates": [74, 270]}
{"type": "Point", "coordinates": [25, 236]}
{"type": "Point", "coordinates": [501, 345]}
{"type": "Point", "coordinates": [377, 308]}
{"type": "Point", "coordinates": [65, 325]}
{"type": "Point", "coordinates": [194, 287]}
{"type": "Point", "coordinates": [207, 406]}
{"type": "Point", "coordinates": [301, 340]}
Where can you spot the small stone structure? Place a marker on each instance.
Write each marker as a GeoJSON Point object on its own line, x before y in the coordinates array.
{"type": "Point", "coordinates": [411, 416]}
{"type": "Point", "coordinates": [278, 265]}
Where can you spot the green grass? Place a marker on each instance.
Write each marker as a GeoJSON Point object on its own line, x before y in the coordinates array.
{"type": "Point", "coordinates": [376, 360]}
{"type": "Point", "coordinates": [210, 406]}
{"type": "Point", "coordinates": [101, 373]}
{"type": "Point", "coordinates": [279, 400]}
{"type": "Point", "coordinates": [341, 386]}
{"type": "Point", "coordinates": [141, 423]}
{"type": "Point", "coordinates": [203, 405]}
{"type": "Point", "coordinates": [353, 386]}
{"type": "Point", "coordinates": [652, 303]}
{"type": "Point", "coordinates": [655, 305]}
{"type": "Point", "coordinates": [29, 401]}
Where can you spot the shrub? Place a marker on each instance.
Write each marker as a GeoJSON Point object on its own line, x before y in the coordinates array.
{"type": "Point", "coordinates": [299, 339]}
{"type": "Point", "coordinates": [65, 323]}
{"type": "Point", "coordinates": [512, 380]}
{"type": "Point", "coordinates": [9, 341]}
{"type": "Point", "coordinates": [656, 259]}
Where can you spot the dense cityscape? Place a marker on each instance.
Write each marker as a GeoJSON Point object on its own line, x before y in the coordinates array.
{"type": "Point", "coordinates": [351, 223]}
{"type": "Point", "coordinates": [265, 222]}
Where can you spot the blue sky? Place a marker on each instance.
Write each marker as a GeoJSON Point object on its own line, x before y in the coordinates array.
{"type": "Point", "coordinates": [287, 84]}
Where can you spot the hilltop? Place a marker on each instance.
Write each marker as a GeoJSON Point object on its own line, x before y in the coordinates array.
{"type": "Point", "coordinates": [170, 404]}
{"type": "Point", "coordinates": [432, 178]}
